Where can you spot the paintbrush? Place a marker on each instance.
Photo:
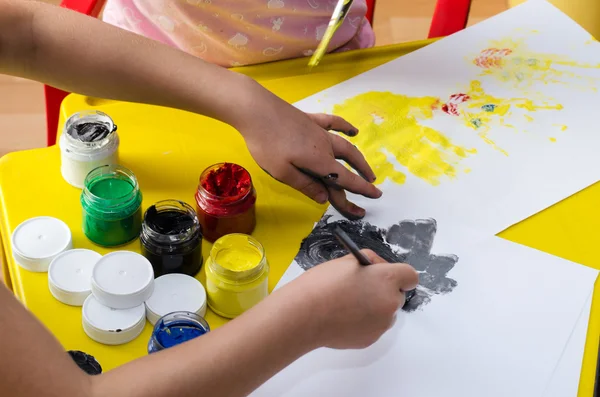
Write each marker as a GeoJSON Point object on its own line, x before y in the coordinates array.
{"type": "Point", "coordinates": [337, 18]}
{"type": "Point", "coordinates": [351, 246]}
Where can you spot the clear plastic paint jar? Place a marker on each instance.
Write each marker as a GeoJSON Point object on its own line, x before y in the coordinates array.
{"type": "Point", "coordinates": [225, 201]}
{"type": "Point", "coordinates": [111, 201]}
{"type": "Point", "coordinates": [89, 140]}
{"type": "Point", "coordinates": [237, 274]}
{"type": "Point", "coordinates": [176, 328]}
{"type": "Point", "coordinates": [171, 238]}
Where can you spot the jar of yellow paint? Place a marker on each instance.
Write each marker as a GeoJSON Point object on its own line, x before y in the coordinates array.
{"type": "Point", "coordinates": [237, 274]}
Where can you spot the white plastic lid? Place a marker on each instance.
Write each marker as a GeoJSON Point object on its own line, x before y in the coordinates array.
{"type": "Point", "coordinates": [122, 280]}
{"type": "Point", "coordinates": [173, 293]}
{"type": "Point", "coordinates": [70, 275]}
{"type": "Point", "coordinates": [112, 326]}
{"type": "Point", "coordinates": [37, 241]}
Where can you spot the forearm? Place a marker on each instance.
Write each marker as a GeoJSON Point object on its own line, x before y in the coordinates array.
{"type": "Point", "coordinates": [81, 54]}
{"type": "Point", "coordinates": [231, 361]}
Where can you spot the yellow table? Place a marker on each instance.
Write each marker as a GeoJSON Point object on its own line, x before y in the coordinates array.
{"type": "Point", "coordinates": [584, 12]}
{"type": "Point", "coordinates": [168, 149]}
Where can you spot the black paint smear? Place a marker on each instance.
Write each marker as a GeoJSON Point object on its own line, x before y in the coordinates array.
{"type": "Point", "coordinates": [86, 362]}
{"type": "Point", "coordinates": [170, 222]}
{"type": "Point", "coordinates": [407, 241]}
{"type": "Point", "coordinates": [91, 132]}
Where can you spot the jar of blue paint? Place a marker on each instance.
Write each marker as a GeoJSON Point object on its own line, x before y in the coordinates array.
{"type": "Point", "coordinates": [176, 328]}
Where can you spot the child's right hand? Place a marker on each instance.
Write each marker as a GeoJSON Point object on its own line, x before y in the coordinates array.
{"type": "Point", "coordinates": [353, 305]}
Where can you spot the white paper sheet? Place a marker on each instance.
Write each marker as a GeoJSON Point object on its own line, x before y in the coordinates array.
{"type": "Point", "coordinates": [500, 332]}
{"type": "Point", "coordinates": [543, 122]}
{"type": "Point", "coordinates": [565, 381]}
{"type": "Point", "coordinates": [469, 135]}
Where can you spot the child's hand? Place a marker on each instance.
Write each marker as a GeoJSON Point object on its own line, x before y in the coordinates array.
{"type": "Point", "coordinates": [297, 149]}
{"type": "Point", "coordinates": [355, 304]}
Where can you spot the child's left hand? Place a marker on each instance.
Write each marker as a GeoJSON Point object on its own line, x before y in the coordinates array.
{"type": "Point", "coordinates": [297, 149]}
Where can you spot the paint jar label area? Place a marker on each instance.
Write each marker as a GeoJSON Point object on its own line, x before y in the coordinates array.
{"type": "Point", "coordinates": [111, 233]}
{"type": "Point", "coordinates": [111, 202]}
{"type": "Point", "coordinates": [171, 238]}
{"type": "Point", "coordinates": [225, 201]}
{"type": "Point", "coordinates": [89, 140]}
{"type": "Point", "coordinates": [231, 302]}
{"type": "Point", "coordinates": [215, 227]}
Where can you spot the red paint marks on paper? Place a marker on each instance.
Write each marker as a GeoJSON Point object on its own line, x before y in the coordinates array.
{"type": "Point", "coordinates": [451, 107]}
{"type": "Point", "coordinates": [491, 57]}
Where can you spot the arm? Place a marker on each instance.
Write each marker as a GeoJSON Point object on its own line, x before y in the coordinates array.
{"type": "Point", "coordinates": [230, 361]}
{"type": "Point", "coordinates": [80, 54]}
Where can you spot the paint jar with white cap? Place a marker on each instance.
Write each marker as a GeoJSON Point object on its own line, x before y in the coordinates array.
{"type": "Point", "coordinates": [89, 140]}
{"type": "Point", "coordinates": [174, 293]}
{"type": "Point", "coordinates": [37, 241]}
{"type": "Point", "coordinates": [122, 280]}
{"type": "Point", "coordinates": [70, 275]}
{"type": "Point", "coordinates": [111, 326]}
{"type": "Point", "coordinates": [176, 328]}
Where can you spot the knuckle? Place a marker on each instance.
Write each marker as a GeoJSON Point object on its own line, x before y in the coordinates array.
{"type": "Point", "coordinates": [311, 189]}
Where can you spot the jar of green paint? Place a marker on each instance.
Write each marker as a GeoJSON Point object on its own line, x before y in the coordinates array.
{"type": "Point", "coordinates": [111, 201]}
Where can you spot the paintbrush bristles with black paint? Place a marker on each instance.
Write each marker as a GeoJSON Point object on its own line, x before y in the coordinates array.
{"type": "Point", "coordinates": [351, 246]}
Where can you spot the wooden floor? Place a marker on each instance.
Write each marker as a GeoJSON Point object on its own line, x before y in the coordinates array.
{"type": "Point", "coordinates": [22, 123]}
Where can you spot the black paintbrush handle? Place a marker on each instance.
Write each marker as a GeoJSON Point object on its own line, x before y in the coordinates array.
{"type": "Point", "coordinates": [351, 246]}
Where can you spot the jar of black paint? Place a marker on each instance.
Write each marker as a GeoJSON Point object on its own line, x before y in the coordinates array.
{"type": "Point", "coordinates": [171, 238]}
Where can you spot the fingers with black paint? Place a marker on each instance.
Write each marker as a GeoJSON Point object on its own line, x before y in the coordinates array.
{"type": "Point", "coordinates": [330, 122]}
{"type": "Point", "coordinates": [305, 184]}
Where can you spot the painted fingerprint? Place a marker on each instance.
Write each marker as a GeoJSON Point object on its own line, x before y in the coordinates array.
{"type": "Point", "coordinates": [408, 241]}
{"type": "Point", "coordinates": [511, 61]}
{"type": "Point", "coordinates": [393, 125]}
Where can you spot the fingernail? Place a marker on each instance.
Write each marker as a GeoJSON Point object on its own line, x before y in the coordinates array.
{"type": "Point", "coordinates": [353, 132]}
{"type": "Point", "coordinates": [356, 210]}
{"type": "Point", "coordinates": [322, 198]}
{"type": "Point", "coordinates": [379, 191]}
{"type": "Point", "coordinates": [374, 178]}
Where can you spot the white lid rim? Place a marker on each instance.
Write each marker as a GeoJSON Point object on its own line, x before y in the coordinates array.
{"type": "Point", "coordinates": [122, 301]}
{"type": "Point", "coordinates": [51, 280]}
{"type": "Point", "coordinates": [68, 298]}
{"type": "Point", "coordinates": [153, 317]}
{"type": "Point", "coordinates": [114, 338]}
{"type": "Point", "coordinates": [116, 294]}
{"type": "Point", "coordinates": [18, 252]}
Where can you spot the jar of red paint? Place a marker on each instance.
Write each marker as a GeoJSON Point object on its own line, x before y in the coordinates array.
{"type": "Point", "coordinates": [225, 201]}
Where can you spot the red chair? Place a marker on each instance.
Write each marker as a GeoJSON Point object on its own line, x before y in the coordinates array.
{"type": "Point", "coordinates": [449, 17]}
